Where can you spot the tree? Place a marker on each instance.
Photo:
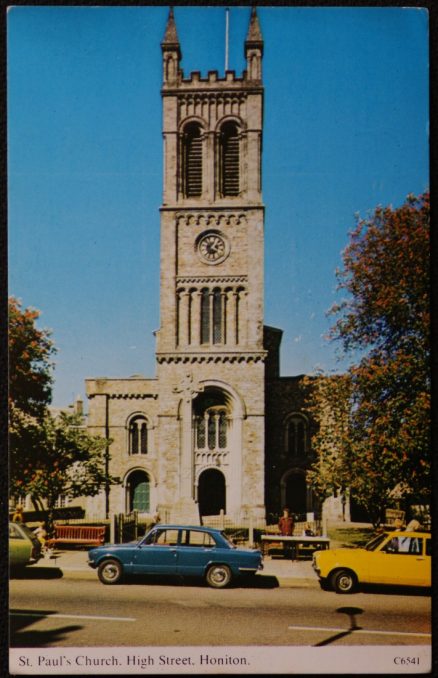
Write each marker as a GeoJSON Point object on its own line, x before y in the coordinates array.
{"type": "Point", "coordinates": [60, 458]}
{"type": "Point", "coordinates": [30, 350]}
{"type": "Point", "coordinates": [327, 399]}
{"type": "Point", "coordinates": [49, 456]}
{"type": "Point", "coordinates": [384, 323]}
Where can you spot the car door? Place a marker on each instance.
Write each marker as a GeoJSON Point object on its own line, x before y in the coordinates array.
{"type": "Point", "coordinates": [195, 551]}
{"type": "Point", "coordinates": [20, 547]}
{"type": "Point", "coordinates": [158, 554]}
{"type": "Point", "coordinates": [401, 561]}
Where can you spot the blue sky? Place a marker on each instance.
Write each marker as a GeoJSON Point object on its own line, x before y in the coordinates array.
{"type": "Point", "coordinates": [345, 129]}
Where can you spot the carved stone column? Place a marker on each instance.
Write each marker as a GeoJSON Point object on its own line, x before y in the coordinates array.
{"type": "Point", "coordinates": [196, 317]}
{"type": "Point", "coordinates": [184, 318]}
{"type": "Point", "coordinates": [188, 391]}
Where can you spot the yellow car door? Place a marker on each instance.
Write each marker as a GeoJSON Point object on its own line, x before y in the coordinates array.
{"type": "Point", "coordinates": [401, 561]}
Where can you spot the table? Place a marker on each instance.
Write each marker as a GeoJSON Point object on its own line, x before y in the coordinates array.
{"type": "Point", "coordinates": [320, 542]}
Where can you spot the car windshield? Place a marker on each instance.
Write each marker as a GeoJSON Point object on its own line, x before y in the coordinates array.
{"type": "Point", "coordinates": [375, 542]}
{"type": "Point", "coordinates": [229, 540]}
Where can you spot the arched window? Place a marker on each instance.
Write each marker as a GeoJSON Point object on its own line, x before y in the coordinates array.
{"type": "Point", "coordinates": [138, 435]}
{"type": "Point", "coordinates": [211, 429]}
{"type": "Point", "coordinates": [211, 421]}
{"type": "Point", "coordinates": [138, 492]}
{"type": "Point", "coordinates": [229, 159]}
{"type": "Point", "coordinates": [297, 436]}
{"type": "Point", "coordinates": [192, 160]}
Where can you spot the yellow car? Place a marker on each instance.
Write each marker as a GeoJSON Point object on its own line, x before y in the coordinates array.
{"type": "Point", "coordinates": [399, 557]}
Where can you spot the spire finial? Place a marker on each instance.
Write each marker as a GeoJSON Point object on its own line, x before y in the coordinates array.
{"type": "Point", "coordinates": [170, 35]}
{"type": "Point", "coordinates": [254, 37]}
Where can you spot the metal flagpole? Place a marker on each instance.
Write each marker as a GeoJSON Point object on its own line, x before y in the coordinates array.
{"type": "Point", "coordinates": [227, 11]}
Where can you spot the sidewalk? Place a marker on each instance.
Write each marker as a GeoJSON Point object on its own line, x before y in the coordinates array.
{"type": "Point", "coordinates": [73, 564]}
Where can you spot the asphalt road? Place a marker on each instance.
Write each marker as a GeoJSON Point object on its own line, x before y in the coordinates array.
{"type": "Point", "coordinates": [78, 613]}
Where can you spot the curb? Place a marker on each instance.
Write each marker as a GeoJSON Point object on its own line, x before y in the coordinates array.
{"type": "Point", "coordinates": [91, 575]}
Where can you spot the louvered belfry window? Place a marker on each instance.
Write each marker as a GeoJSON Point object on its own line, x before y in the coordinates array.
{"type": "Point", "coordinates": [230, 159]}
{"type": "Point", "coordinates": [193, 161]}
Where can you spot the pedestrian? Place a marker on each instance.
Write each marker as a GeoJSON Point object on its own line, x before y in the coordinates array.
{"type": "Point", "coordinates": [286, 523]}
{"type": "Point", "coordinates": [286, 527]}
{"type": "Point", "coordinates": [18, 514]}
{"type": "Point", "coordinates": [41, 534]}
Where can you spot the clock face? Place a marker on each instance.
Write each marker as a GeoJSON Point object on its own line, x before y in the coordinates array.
{"type": "Point", "coordinates": [212, 248]}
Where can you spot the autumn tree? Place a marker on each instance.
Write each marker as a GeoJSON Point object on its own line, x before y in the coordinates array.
{"type": "Point", "coordinates": [327, 400]}
{"type": "Point", "coordinates": [384, 324]}
{"type": "Point", "coordinates": [49, 455]}
{"type": "Point", "coordinates": [30, 351]}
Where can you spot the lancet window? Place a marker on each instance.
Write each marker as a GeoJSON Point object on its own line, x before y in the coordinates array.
{"type": "Point", "coordinates": [297, 436]}
{"type": "Point", "coordinates": [229, 146]}
{"type": "Point", "coordinates": [192, 160]}
{"type": "Point", "coordinates": [138, 435]}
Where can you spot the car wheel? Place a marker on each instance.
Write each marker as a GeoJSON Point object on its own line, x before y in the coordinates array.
{"type": "Point", "coordinates": [110, 572]}
{"type": "Point", "coordinates": [344, 581]}
{"type": "Point", "coordinates": [218, 576]}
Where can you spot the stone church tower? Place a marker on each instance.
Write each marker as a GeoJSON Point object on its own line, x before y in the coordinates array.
{"type": "Point", "coordinates": [218, 429]}
{"type": "Point", "coordinates": [210, 343]}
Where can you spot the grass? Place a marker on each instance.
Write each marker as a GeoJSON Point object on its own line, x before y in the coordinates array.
{"type": "Point", "coordinates": [349, 536]}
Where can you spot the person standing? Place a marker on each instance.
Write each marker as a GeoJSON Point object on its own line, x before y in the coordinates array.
{"type": "Point", "coordinates": [286, 527]}
{"type": "Point", "coordinates": [286, 524]}
{"type": "Point", "coordinates": [18, 514]}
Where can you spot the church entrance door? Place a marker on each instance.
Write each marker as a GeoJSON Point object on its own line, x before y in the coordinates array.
{"type": "Point", "coordinates": [296, 493]}
{"type": "Point", "coordinates": [138, 492]}
{"type": "Point", "coordinates": [211, 492]}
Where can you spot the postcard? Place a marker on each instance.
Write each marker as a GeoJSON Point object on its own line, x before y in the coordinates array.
{"type": "Point", "coordinates": [218, 340]}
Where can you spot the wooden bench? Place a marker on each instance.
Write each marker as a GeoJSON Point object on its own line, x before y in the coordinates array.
{"type": "Point", "coordinates": [78, 534]}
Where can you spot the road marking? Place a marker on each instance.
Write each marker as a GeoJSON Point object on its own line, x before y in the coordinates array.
{"type": "Point", "coordinates": [70, 616]}
{"type": "Point", "coordinates": [359, 630]}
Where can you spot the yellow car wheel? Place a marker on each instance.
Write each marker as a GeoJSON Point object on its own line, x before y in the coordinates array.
{"type": "Point", "coordinates": [344, 581]}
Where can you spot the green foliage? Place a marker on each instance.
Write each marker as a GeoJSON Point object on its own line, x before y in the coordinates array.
{"type": "Point", "coordinates": [55, 456]}
{"type": "Point", "coordinates": [381, 446]}
{"type": "Point", "coordinates": [49, 456]}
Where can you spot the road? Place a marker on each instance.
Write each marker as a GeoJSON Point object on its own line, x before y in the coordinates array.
{"type": "Point", "coordinates": [72, 612]}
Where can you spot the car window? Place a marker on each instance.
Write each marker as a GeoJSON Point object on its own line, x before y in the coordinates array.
{"type": "Point", "coordinates": [404, 545]}
{"type": "Point", "coordinates": [163, 537]}
{"type": "Point", "coordinates": [167, 537]}
{"type": "Point", "coordinates": [197, 538]}
{"type": "Point", "coordinates": [375, 542]}
{"type": "Point", "coordinates": [14, 532]}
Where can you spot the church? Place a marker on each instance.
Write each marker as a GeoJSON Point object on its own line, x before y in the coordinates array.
{"type": "Point", "coordinates": [217, 430]}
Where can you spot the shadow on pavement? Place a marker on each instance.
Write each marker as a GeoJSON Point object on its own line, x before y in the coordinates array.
{"type": "Point", "coordinates": [398, 590]}
{"type": "Point", "coordinates": [21, 619]}
{"type": "Point", "coordinates": [351, 612]}
{"type": "Point", "coordinates": [37, 573]}
{"type": "Point", "coordinates": [251, 582]}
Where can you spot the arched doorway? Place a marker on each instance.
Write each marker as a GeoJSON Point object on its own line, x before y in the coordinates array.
{"type": "Point", "coordinates": [138, 492]}
{"type": "Point", "coordinates": [296, 493]}
{"type": "Point", "coordinates": [211, 492]}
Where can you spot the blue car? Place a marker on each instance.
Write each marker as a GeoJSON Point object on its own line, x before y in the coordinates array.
{"type": "Point", "coordinates": [176, 550]}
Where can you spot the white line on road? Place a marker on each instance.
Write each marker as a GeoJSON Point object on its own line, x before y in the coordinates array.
{"type": "Point", "coordinates": [70, 616]}
{"type": "Point", "coordinates": [379, 633]}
